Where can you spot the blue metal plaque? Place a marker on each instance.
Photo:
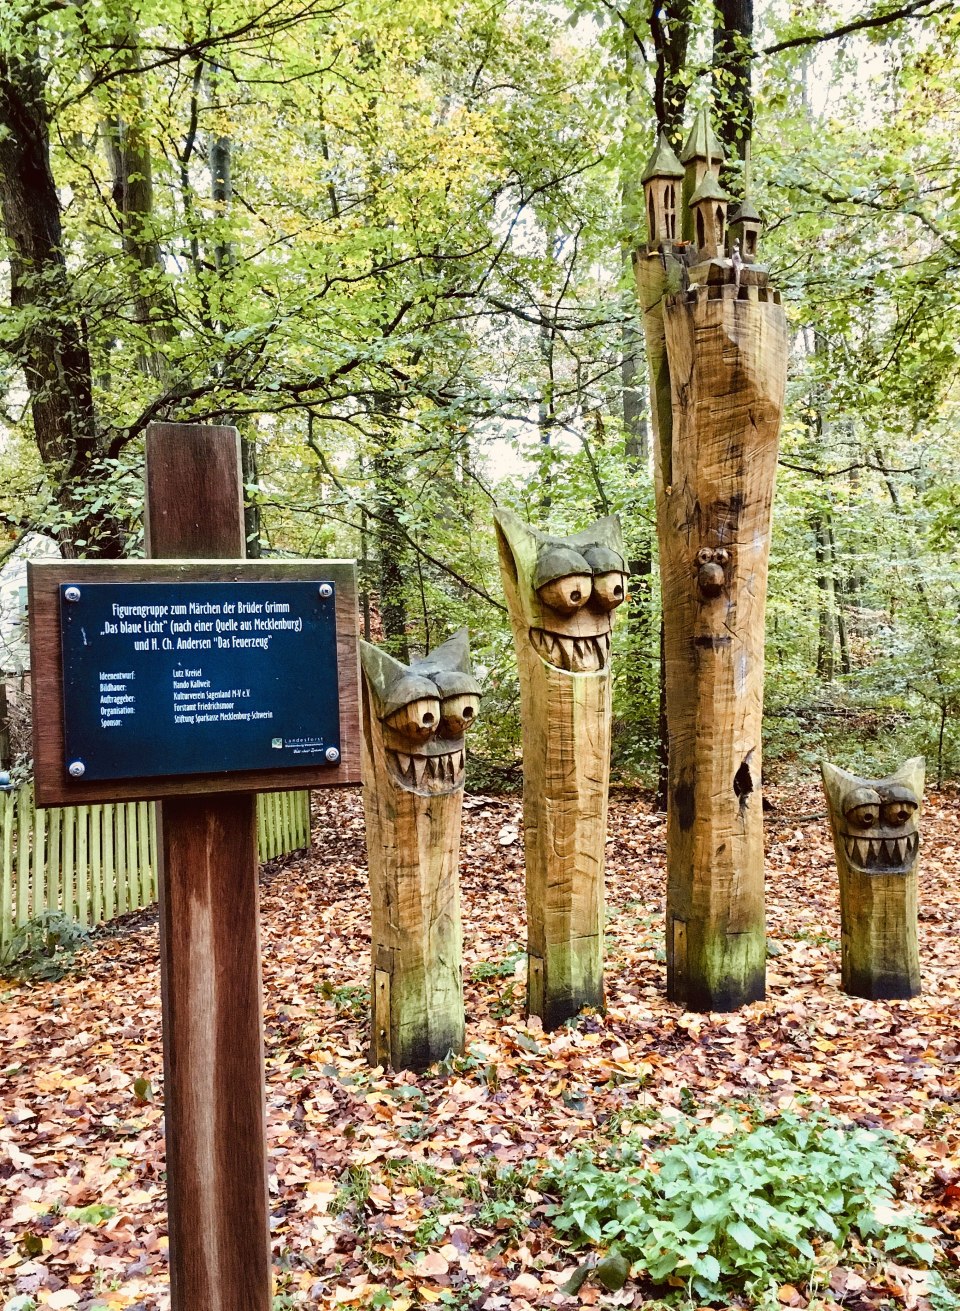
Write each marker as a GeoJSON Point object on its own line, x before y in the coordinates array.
{"type": "Point", "coordinates": [198, 678]}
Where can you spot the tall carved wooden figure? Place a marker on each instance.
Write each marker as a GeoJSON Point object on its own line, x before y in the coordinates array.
{"type": "Point", "coordinates": [876, 836]}
{"type": "Point", "coordinates": [561, 592]}
{"type": "Point", "coordinates": [717, 346]}
{"type": "Point", "coordinates": [414, 721]}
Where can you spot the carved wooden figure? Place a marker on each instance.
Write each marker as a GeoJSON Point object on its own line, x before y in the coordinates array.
{"type": "Point", "coordinates": [876, 835]}
{"type": "Point", "coordinates": [414, 752]}
{"type": "Point", "coordinates": [561, 594]}
{"type": "Point", "coordinates": [717, 348]}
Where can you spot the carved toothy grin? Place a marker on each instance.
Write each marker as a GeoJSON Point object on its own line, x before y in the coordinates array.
{"type": "Point", "coordinates": [577, 655]}
{"type": "Point", "coordinates": [432, 775]}
{"type": "Point", "coordinates": [882, 855]}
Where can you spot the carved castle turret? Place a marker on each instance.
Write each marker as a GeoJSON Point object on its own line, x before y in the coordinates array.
{"type": "Point", "coordinates": [704, 240]}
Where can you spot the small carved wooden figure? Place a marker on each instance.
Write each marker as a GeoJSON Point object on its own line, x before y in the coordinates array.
{"type": "Point", "coordinates": [561, 593]}
{"type": "Point", "coordinates": [414, 754]}
{"type": "Point", "coordinates": [876, 836]}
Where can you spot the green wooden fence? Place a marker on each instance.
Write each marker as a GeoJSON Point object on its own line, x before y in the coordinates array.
{"type": "Point", "coordinates": [96, 862]}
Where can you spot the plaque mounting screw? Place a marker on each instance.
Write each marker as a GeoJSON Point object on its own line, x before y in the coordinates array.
{"type": "Point", "coordinates": [332, 754]}
{"type": "Point", "coordinates": [71, 593]}
{"type": "Point", "coordinates": [76, 769]}
{"type": "Point", "coordinates": [325, 591]}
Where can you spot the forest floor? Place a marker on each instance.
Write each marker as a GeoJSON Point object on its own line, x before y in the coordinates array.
{"type": "Point", "coordinates": [393, 1190]}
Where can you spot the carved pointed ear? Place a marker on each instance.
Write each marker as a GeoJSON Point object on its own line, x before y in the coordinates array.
{"type": "Point", "coordinates": [381, 669]}
{"type": "Point", "coordinates": [603, 532]}
{"type": "Point", "coordinates": [912, 773]}
{"type": "Point", "coordinates": [448, 666]}
{"type": "Point", "coordinates": [454, 653]}
{"type": "Point", "coordinates": [518, 544]}
{"type": "Point", "coordinates": [394, 684]}
{"type": "Point", "coordinates": [837, 783]}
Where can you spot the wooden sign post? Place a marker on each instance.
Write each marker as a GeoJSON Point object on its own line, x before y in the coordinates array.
{"type": "Point", "coordinates": [209, 917]}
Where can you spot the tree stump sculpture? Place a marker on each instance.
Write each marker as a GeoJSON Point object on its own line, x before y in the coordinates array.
{"type": "Point", "coordinates": [561, 592]}
{"type": "Point", "coordinates": [717, 348]}
{"type": "Point", "coordinates": [414, 754]}
{"type": "Point", "coordinates": [876, 836]}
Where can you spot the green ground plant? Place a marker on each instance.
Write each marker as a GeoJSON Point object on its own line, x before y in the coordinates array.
{"type": "Point", "coordinates": [44, 947]}
{"type": "Point", "coordinates": [774, 1201]}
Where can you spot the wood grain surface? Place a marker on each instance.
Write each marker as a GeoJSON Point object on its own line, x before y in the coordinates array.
{"type": "Point", "coordinates": [214, 1094]}
{"type": "Point", "coordinates": [718, 361]}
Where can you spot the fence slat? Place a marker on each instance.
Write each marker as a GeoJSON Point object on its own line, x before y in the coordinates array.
{"type": "Point", "coordinates": [109, 881]}
{"type": "Point", "coordinates": [39, 861]}
{"type": "Point", "coordinates": [57, 896]}
{"type": "Point", "coordinates": [7, 822]}
{"type": "Point", "coordinates": [68, 837]}
{"type": "Point", "coordinates": [96, 865]}
{"type": "Point", "coordinates": [81, 897]}
{"type": "Point", "coordinates": [304, 834]}
{"type": "Point", "coordinates": [132, 880]}
{"type": "Point", "coordinates": [24, 799]}
{"type": "Point", "coordinates": [120, 858]}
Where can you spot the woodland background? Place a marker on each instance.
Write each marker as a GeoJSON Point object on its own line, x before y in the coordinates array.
{"type": "Point", "coordinates": [391, 243]}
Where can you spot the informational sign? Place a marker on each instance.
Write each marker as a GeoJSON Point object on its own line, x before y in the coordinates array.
{"type": "Point", "coordinates": [167, 678]}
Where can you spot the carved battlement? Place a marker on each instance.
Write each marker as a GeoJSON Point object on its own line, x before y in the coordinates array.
{"type": "Point", "coordinates": [725, 291]}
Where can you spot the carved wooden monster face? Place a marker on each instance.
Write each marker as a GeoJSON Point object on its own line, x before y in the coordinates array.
{"type": "Point", "coordinates": [876, 821]}
{"type": "Point", "coordinates": [423, 711]}
{"type": "Point", "coordinates": [712, 564]}
{"type": "Point", "coordinates": [566, 589]}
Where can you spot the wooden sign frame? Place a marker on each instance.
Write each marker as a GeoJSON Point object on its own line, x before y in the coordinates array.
{"type": "Point", "coordinates": [55, 788]}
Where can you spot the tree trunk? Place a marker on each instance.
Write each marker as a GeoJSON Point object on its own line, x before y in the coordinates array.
{"type": "Point", "coordinates": [827, 606]}
{"type": "Point", "coordinates": [732, 58]}
{"type": "Point", "coordinates": [131, 165]}
{"type": "Point", "coordinates": [51, 345]}
{"type": "Point", "coordinates": [392, 553]}
{"type": "Point", "coordinates": [670, 28]}
{"type": "Point", "coordinates": [220, 156]}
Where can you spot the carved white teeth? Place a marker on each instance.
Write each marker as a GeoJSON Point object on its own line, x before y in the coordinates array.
{"type": "Point", "coordinates": [437, 774]}
{"type": "Point", "coordinates": [578, 655]}
{"type": "Point", "coordinates": [876, 855]}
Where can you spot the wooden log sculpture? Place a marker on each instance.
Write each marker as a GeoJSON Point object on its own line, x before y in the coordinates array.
{"type": "Point", "coordinates": [876, 836]}
{"type": "Point", "coordinates": [561, 593]}
{"type": "Point", "coordinates": [717, 348]}
{"type": "Point", "coordinates": [414, 753]}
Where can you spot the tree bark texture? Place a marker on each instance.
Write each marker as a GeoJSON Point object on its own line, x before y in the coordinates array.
{"type": "Point", "coordinates": [670, 24]}
{"type": "Point", "coordinates": [51, 348]}
{"type": "Point", "coordinates": [127, 138]}
{"type": "Point", "coordinates": [876, 838]}
{"type": "Point", "coordinates": [732, 61]}
{"type": "Point", "coordinates": [414, 720]}
{"type": "Point", "coordinates": [561, 632]}
{"type": "Point", "coordinates": [718, 358]}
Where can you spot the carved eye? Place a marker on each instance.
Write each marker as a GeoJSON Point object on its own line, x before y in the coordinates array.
{"type": "Point", "coordinates": [705, 555]}
{"type": "Point", "coordinates": [721, 556]}
{"type": "Point", "coordinates": [566, 595]}
{"type": "Point", "coordinates": [417, 720]}
{"type": "Point", "coordinates": [458, 713]}
{"type": "Point", "coordinates": [898, 812]}
{"type": "Point", "coordinates": [609, 590]}
{"type": "Point", "coordinates": [865, 816]}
